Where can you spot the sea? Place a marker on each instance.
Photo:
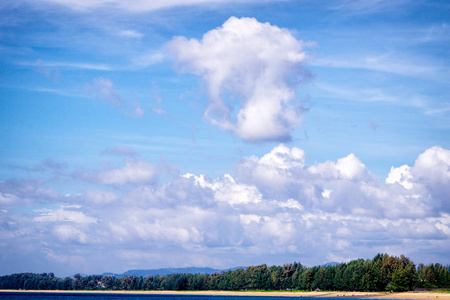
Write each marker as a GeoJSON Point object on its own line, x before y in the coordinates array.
{"type": "Point", "coordinates": [106, 296]}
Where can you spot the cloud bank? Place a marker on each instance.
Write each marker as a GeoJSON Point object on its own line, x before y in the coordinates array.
{"type": "Point", "coordinates": [272, 209]}
{"type": "Point", "coordinates": [251, 71]}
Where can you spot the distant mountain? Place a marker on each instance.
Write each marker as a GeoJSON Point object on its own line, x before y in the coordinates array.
{"type": "Point", "coordinates": [330, 264]}
{"type": "Point", "coordinates": [168, 271]}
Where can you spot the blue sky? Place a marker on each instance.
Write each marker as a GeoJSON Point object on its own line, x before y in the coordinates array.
{"type": "Point", "coordinates": [222, 133]}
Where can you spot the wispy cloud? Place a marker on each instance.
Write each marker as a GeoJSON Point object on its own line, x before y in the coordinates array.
{"type": "Point", "coordinates": [356, 94]}
{"type": "Point", "coordinates": [46, 71]}
{"type": "Point", "coordinates": [382, 63]}
{"type": "Point", "coordinates": [130, 34]}
{"type": "Point", "coordinates": [366, 7]}
{"type": "Point", "coordinates": [159, 111]}
{"type": "Point", "coordinates": [57, 91]}
{"type": "Point", "coordinates": [45, 65]}
{"type": "Point", "coordinates": [430, 107]}
{"type": "Point", "coordinates": [373, 125]}
{"type": "Point", "coordinates": [430, 34]}
{"type": "Point", "coordinates": [120, 150]}
{"type": "Point", "coordinates": [438, 111]}
{"type": "Point", "coordinates": [147, 59]}
{"type": "Point", "coordinates": [103, 89]}
{"type": "Point", "coordinates": [389, 95]}
{"type": "Point", "coordinates": [140, 6]}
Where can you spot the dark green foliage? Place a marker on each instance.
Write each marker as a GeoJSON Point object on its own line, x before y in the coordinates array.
{"type": "Point", "coordinates": [382, 273]}
{"type": "Point", "coordinates": [433, 276]}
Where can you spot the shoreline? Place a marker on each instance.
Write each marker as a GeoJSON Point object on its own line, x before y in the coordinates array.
{"type": "Point", "coordinates": [357, 295]}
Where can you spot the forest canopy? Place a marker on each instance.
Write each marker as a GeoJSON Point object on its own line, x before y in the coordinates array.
{"type": "Point", "coordinates": [382, 273]}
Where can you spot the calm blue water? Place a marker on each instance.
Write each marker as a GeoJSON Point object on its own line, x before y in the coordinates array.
{"type": "Point", "coordinates": [64, 296]}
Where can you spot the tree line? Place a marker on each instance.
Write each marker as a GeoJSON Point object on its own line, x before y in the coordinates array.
{"type": "Point", "coordinates": [382, 273]}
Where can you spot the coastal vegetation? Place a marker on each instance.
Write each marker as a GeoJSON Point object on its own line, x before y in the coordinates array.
{"type": "Point", "coordinates": [382, 273]}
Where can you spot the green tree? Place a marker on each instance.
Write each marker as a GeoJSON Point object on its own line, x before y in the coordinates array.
{"type": "Point", "coordinates": [328, 279]}
{"type": "Point", "coordinates": [403, 275]}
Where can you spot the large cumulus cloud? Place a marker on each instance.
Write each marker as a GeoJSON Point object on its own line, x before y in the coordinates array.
{"type": "Point", "coordinates": [251, 71]}
{"type": "Point", "coordinates": [273, 209]}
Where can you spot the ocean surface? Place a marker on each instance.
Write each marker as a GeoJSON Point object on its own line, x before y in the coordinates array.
{"type": "Point", "coordinates": [102, 296]}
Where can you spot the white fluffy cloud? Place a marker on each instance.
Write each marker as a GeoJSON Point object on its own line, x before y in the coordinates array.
{"type": "Point", "coordinates": [428, 178]}
{"type": "Point", "coordinates": [273, 209]}
{"type": "Point", "coordinates": [434, 165]}
{"type": "Point", "coordinates": [275, 169]}
{"type": "Point", "coordinates": [134, 171]}
{"type": "Point", "coordinates": [349, 167]}
{"type": "Point", "coordinates": [226, 189]}
{"type": "Point", "coordinates": [251, 71]}
{"type": "Point", "coordinates": [400, 175]}
{"type": "Point", "coordinates": [68, 233]}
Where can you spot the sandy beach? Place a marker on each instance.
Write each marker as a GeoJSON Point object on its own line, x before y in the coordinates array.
{"type": "Point", "coordinates": [365, 295]}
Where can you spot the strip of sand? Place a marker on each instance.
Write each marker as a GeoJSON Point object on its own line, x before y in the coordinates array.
{"type": "Point", "coordinates": [360, 295]}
